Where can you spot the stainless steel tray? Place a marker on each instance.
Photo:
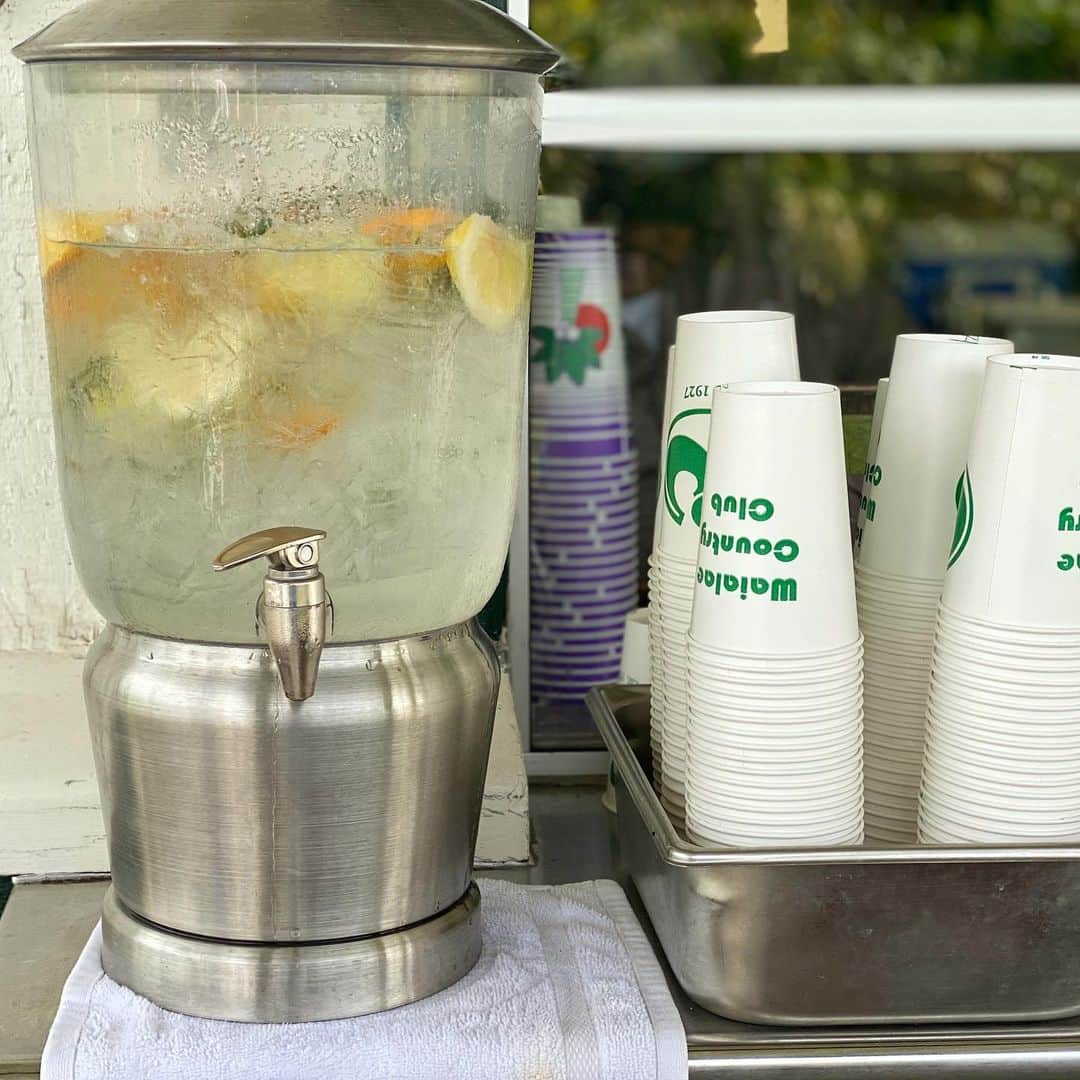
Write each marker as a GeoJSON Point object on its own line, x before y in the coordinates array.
{"type": "Point", "coordinates": [869, 935]}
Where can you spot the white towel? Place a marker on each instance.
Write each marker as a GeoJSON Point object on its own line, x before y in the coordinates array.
{"type": "Point", "coordinates": [566, 988]}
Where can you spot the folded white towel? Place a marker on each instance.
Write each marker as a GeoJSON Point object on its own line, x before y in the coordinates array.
{"type": "Point", "coordinates": [566, 988]}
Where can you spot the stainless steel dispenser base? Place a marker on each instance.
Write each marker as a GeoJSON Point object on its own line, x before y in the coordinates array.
{"type": "Point", "coordinates": [284, 983]}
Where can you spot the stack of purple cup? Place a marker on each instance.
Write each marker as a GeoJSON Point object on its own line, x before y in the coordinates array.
{"type": "Point", "coordinates": [583, 470]}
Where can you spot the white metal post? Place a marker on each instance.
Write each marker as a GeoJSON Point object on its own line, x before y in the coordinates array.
{"type": "Point", "coordinates": [518, 9]}
{"type": "Point", "coordinates": [856, 119]}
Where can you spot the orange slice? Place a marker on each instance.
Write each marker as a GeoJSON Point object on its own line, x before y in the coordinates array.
{"type": "Point", "coordinates": [490, 269]}
{"type": "Point", "coordinates": [59, 231]}
{"type": "Point", "coordinates": [414, 227]}
{"type": "Point", "coordinates": [297, 427]}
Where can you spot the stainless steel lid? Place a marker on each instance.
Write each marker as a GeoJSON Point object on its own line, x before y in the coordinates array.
{"type": "Point", "coordinates": [437, 33]}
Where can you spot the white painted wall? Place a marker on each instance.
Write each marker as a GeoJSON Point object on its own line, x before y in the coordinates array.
{"type": "Point", "coordinates": [42, 606]}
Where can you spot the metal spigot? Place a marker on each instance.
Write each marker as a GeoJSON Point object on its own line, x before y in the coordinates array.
{"type": "Point", "coordinates": [294, 607]}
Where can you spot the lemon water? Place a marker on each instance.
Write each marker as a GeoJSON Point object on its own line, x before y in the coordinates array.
{"type": "Point", "coordinates": [371, 391]}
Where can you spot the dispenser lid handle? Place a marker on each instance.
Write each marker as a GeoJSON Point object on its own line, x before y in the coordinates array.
{"type": "Point", "coordinates": [296, 546]}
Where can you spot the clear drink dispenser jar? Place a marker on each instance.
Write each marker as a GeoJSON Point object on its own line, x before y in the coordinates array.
{"type": "Point", "coordinates": [286, 250]}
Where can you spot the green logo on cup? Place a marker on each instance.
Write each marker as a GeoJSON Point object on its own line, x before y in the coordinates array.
{"type": "Point", "coordinates": [575, 343]}
{"type": "Point", "coordinates": [684, 455]}
{"type": "Point", "coordinates": [965, 517]}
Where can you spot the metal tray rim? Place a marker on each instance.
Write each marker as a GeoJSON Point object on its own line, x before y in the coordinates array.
{"type": "Point", "coordinates": [602, 702]}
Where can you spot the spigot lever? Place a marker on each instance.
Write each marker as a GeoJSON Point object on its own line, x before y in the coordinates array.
{"type": "Point", "coordinates": [294, 604]}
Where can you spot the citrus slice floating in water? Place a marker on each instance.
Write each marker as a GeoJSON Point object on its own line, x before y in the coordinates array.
{"type": "Point", "coordinates": [420, 227]}
{"type": "Point", "coordinates": [490, 269]}
{"type": "Point", "coordinates": [59, 230]}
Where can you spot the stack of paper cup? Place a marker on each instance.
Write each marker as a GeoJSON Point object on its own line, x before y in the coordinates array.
{"type": "Point", "coordinates": [774, 750]}
{"type": "Point", "coordinates": [583, 469]}
{"type": "Point", "coordinates": [905, 525]}
{"type": "Point", "coordinates": [711, 348]}
{"type": "Point", "coordinates": [1002, 761]}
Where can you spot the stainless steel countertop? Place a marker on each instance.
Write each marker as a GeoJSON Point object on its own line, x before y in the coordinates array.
{"type": "Point", "coordinates": [46, 924]}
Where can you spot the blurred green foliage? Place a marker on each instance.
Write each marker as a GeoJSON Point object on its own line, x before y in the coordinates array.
{"type": "Point", "coordinates": [856, 442]}
{"type": "Point", "coordinates": [813, 233]}
{"type": "Point", "coordinates": [685, 42]}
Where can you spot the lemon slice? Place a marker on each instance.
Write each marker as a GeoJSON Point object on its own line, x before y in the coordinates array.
{"type": "Point", "coordinates": [312, 272]}
{"type": "Point", "coordinates": [490, 269]}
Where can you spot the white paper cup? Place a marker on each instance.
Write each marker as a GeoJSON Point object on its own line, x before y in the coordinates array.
{"type": "Point", "coordinates": [969, 760]}
{"type": "Point", "coordinates": [675, 603]}
{"type": "Point", "coordinates": [1046, 654]}
{"type": "Point", "coordinates": [710, 348]}
{"type": "Point", "coordinates": [1018, 821]}
{"type": "Point", "coordinates": [715, 790]}
{"type": "Point", "coordinates": [780, 684]}
{"type": "Point", "coordinates": [934, 386]}
{"type": "Point", "coordinates": [1010, 697]}
{"type": "Point", "coordinates": [903, 650]}
{"type": "Point", "coordinates": [892, 759]}
{"type": "Point", "coordinates": [890, 710]}
{"type": "Point", "coordinates": [796, 778]}
{"type": "Point", "coordinates": [831, 757]}
{"type": "Point", "coordinates": [882, 624]}
{"type": "Point", "coordinates": [775, 664]}
{"type": "Point", "coordinates": [831, 741]}
{"type": "Point", "coordinates": [1003, 781]}
{"type": "Point", "coordinates": [964, 752]}
{"type": "Point", "coordinates": [830, 833]}
{"type": "Point", "coordinates": [751, 841]}
{"type": "Point", "coordinates": [668, 564]}
{"type": "Point", "coordinates": [897, 739]}
{"type": "Point", "coordinates": [1033, 675]}
{"type": "Point", "coordinates": [896, 585]}
{"type": "Point", "coordinates": [774, 574]}
{"type": "Point", "coordinates": [895, 813]}
{"type": "Point", "coordinates": [794, 819]}
{"type": "Point", "coordinates": [897, 805]}
{"type": "Point", "coordinates": [1010, 727]}
{"type": "Point", "coordinates": [951, 694]}
{"type": "Point", "coordinates": [796, 782]}
{"type": "Point", "coordinates": [1045, 676]}
{"type": "Point", "coordinates": [895, 746]}
{"type": "Point", "coordinates": [673, 805]}
{"type": "Point", "coordinates": [1016, 557]}
{"type": "Point", "coordinates": [774, 670]}
{"type": "Point", "coordinates": [1003, 802]}
{"type": "Point", "coordinates": [677, 585]}
{"type": "Point", "coordinates": [898, 661]}
{"type": "Point", "coordinates": [887, 616]}
{"type": "Point", "coordinates": [829, 746]}
{"type": "Point", "coordinates": [961, 812]}
{"type": "Point", "coordinates": [774, 711]}
{"type": "Point", "coordinates": [902, 816]}
{"type": "Point", "coordinates": [871, 458]}
{"type": "Point", "coordinates": [722, 686]}
{"type": "Point", "coordinates": [779, 817]}
{"type": "Point", "coordinates": [908, 606]}
{"type": "Point", "coordinates": [895, 827]}
{"type": "Point", "coordinates": [898, 788]}
{"type": "Point", "coordinates": [883, 630]}
{"type": "Point", "coordinates": [983, 631]}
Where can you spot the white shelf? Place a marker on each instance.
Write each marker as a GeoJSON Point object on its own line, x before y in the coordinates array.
{"type": "Point", "coordinates": [809, 118]}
